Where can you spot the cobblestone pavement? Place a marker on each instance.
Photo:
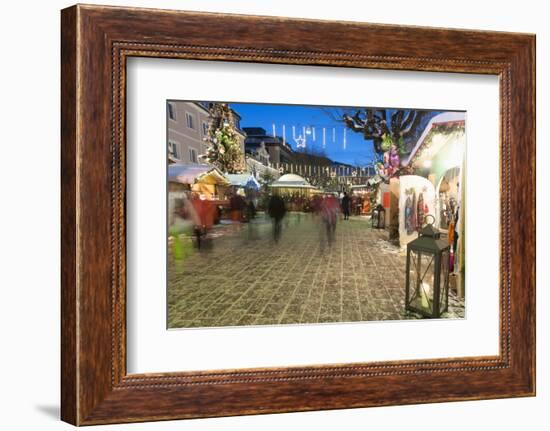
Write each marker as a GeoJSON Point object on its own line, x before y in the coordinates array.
{"type": "Point", "coordinates": [244, 278]}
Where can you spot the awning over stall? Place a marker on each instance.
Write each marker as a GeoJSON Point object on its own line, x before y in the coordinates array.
{"type": "Point", "coordinates": [444, 134]}
{"type": "Point", "coordinates": [191, 174]}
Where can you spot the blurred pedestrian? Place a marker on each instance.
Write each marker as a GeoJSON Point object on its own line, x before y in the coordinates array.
{"type": "Point", "coordinates": [329, 215]}
{"type": "Point", "coordinates": [183, 225]}
{"type": "Point", "coordinates": [250, 215]}
{"type": "Point", "coordinates": [250, 210]}
{"type": "Point", "coordinates": [276, 209]}
{"type": "Point", "coordinates": [205, 213]}
{"type": "Point", "coordinates": [346, 204]}
{"type": "Point", "coordinates": [237, 205]}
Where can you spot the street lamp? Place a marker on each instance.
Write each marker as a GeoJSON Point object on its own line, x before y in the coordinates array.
{"type": "Point", "coordinates": [427, 273]}
{"type": "Point", "coordinates": [378, 217]}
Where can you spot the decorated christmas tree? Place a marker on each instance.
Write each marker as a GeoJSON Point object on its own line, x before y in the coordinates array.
{"type": "Point", "coordinates": [224, 150]}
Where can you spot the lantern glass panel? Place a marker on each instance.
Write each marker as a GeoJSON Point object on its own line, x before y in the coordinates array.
{"type": "Point", "coordinates": [421, 281]}
{"type": "Point", "coordinates": [444, 289]}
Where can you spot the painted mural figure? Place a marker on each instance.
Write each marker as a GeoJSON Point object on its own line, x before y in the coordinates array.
{"type": "Point", "coordinates": [409, 223]}
{"type": "Point", "coordinates": [420, 212]}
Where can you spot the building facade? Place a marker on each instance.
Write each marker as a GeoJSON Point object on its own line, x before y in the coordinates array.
{"type": "Point", "coordinates": [257, 140]}
{"type": "Point", "coordinates": [188, 124]}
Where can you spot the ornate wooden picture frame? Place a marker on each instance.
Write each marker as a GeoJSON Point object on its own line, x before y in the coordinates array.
{"type": "Point", "coordinates": [96, 41]}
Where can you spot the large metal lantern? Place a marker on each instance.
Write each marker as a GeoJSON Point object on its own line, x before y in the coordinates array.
{"type": "Point", "coordinates": [378, 217]}
{"type": "Point", "coordinates": [427, 273]}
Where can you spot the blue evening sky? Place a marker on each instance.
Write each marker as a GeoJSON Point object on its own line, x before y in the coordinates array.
{"type": "Point", "coordinates": [357, 151]}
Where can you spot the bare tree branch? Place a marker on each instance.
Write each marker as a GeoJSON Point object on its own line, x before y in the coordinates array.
{"type": "Point", "coordinates": [406, 124]}
{"type": "Point", "coordinates": [375, 123]}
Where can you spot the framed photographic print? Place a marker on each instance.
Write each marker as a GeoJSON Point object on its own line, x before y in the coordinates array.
{"type": "Point", "coordinates": [264, 217]}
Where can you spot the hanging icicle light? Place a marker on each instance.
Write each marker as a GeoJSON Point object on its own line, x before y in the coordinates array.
{"type": "Point", "coordinates": [345, 138]}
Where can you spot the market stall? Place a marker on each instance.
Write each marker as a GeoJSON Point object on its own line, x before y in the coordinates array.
{"type": "Point", "coordinates": [243, 183]}
{"type": "Point", "coordinates": [292, 184]}
{"type": "Point", "coordinates": [439, 156]}
{"type": "Point", "coordinates": [206, 181]}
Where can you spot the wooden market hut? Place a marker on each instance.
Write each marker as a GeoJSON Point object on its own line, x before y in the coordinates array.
{"type": "Point", "coordinates": [205, 180]}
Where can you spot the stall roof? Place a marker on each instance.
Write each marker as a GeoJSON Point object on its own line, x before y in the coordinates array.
{"type": "Point", "coordinates": [190, 174]}
{"type": "Point", "coordinates": [292, 181]}
{"type": "Point", "coordinates": [243, 180]}
{"type": "Point", "coordinates": [446, 117]}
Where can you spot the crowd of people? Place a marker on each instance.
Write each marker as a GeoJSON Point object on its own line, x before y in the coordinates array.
{"type": "Point", "coordinates": [327, 208]}
{"type": "Point", "coordinates": [357, 204]}
{"type": "Point", "coordinates": [201, 215]}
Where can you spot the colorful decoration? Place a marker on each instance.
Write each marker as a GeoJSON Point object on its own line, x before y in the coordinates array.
{"type": "Point", "coordinates": [224, 150]}
{"type": "Point", "coordinates": [380, 169]}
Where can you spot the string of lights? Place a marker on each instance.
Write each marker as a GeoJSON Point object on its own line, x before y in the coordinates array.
{"type": "Point", "coordinates": [304, 135]}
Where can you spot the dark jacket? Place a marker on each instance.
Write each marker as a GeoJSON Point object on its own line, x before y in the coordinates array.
{"type": "Point", "coordinates": [276, 207]}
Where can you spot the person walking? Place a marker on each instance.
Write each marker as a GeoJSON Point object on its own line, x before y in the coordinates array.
{"type": "Point", "coordinates": [329, 215]}
{"type": "Point", "coordinates": [237, 205]}
{"type": "Point", "coordinates": [276, 209]}
{"type": "Point", "coordinates": [346, 204]}
{"type": "Point", "coordinates": [204, 212]}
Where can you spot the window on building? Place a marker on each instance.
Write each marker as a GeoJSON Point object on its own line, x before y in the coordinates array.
{"type": "Point", "coordinates": [174, 150]}
{"type": "Point", "coordinates": [205, 128]}
{"type": "Point", "coordinates": [190, 120]}
{"type": "Point", "coordinates": [171, 111]}
{"type": "Point", "coordinates": [193, 155]}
